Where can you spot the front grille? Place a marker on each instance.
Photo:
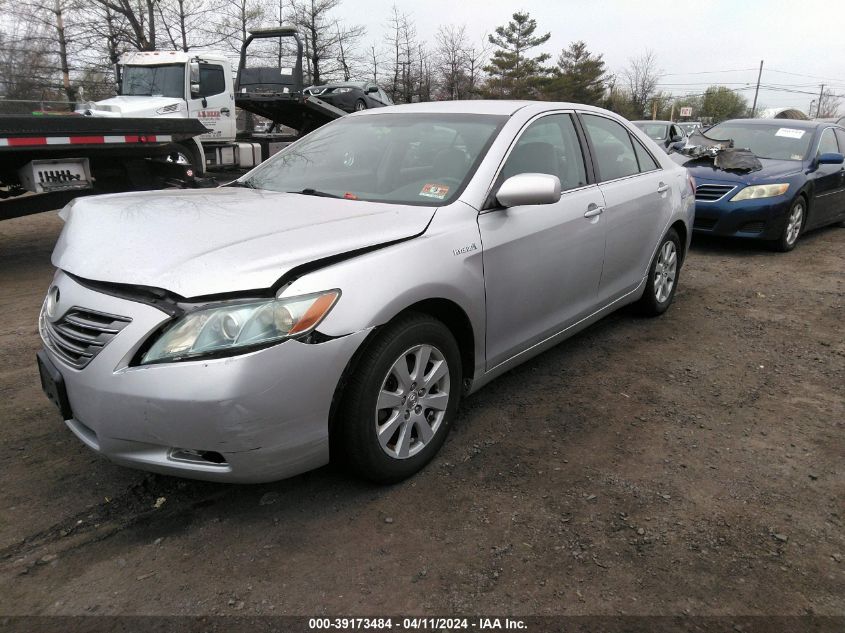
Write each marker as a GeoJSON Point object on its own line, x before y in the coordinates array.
{"type": "Point", "coordinates": [711, 193]}
{"type": "Point", "coordinates": [704, 223]}
{"type": "Point", "coordinates": [79, 335]}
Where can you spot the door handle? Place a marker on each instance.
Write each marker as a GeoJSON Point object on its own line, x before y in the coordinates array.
{"type": "Point", "coordinates": [593, 211]}
{"type": "Point", "coordinates": [662, 188]}
{"type": "Point", "coordinates": [224, 111]}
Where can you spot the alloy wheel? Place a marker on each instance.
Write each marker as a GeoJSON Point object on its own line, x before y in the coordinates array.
{"type": "Point", "coordinates": [412, 401]}
{"type": "Point", "coordinates": [665, 271]}
{"type": "Point", "coordinates": [793, 224]}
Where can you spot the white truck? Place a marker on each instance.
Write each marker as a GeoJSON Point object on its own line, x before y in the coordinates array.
{"type": "Point", "coordinates": [201, 85]}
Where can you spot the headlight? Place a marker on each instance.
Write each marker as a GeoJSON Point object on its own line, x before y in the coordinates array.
{"type": "Point", "coordinates": [341, 90]}
{"type": "Point", "coordinates": [761, 191]}
{"type": "Point", "coordinates": [233, 327]}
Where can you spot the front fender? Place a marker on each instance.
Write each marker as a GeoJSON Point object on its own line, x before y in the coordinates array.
{"type": "Point", "coordinates": [443, 263]}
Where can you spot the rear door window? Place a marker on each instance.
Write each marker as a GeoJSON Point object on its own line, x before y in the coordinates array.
{"type": "Point", "coordinates": [645, 160]}
{"type": "Point", "coordinates": [612, 147]}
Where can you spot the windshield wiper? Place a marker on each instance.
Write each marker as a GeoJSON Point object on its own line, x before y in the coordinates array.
{"type": "Point", "coordinates": [315, 192]}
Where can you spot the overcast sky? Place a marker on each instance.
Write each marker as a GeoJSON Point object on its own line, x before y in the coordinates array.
{"type": "Point", "coordinates": [690, 39]}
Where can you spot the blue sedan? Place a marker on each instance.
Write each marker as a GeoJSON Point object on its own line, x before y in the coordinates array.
{"type": "Point", "coordinates": [800, 187]}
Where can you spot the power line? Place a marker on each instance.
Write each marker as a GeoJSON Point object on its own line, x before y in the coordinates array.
{"type": "Point", "coordinates": [710, 72]}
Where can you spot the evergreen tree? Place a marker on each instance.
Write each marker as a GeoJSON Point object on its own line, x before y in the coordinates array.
{"type": "Point", "coordinates": [515, 75]}
{"type": "Point", "coordinates": [579, 76]}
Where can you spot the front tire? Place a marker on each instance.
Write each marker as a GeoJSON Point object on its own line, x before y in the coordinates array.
{"type": "Point", "coordinates": [662, 276]}
{"type": "Point", "coordinates": [184, 154]}
{"type": "Point", "coordinates": [400, 399]}
{"type": "Point", "coordinates": [795, 220]}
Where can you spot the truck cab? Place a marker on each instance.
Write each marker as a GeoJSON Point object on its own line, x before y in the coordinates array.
{"type": "Point", "coordinates": [201, 85]}
{"type": "Point", "coordinates": [176, 85]}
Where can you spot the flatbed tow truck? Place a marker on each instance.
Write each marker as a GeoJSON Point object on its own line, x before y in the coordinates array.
{"type": "Point", "coordinates": [173, 120]}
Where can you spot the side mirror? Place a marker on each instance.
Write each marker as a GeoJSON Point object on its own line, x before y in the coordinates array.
{"type": "Point", "coordinates": [677, 138]}
{"type": "Point", "coordinates": [372, 89]}
{"type": "Point", "coordinates": [194, 70]}
{"type": "Point", "coordinates": [529, 189]}
{"type": "Point", "coordinates": [831, 158]}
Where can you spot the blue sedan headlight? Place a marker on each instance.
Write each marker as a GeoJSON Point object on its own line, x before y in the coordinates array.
{"type": "Point", "coordinates": [761, 191]}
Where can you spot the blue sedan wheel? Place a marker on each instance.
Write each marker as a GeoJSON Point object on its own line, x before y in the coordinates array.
{"type": "Point", "coordinates": [794, 224]}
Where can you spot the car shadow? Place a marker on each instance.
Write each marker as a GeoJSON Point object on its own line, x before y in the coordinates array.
{"type": "Point", "coordinates": [712, 244]}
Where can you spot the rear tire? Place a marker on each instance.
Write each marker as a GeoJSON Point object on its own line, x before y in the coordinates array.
{"type": "Point", "coordinates": [662, 276]}
{"type": "Point", "coordinates": [360, 105]}
{"type": "Point", "coordinates": [795, 220]}
{"type": "Point", "coordinates": [394, 416]}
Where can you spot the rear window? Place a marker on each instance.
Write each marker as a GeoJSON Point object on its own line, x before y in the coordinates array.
{"type": "Point", "coordinates": [656, 131]}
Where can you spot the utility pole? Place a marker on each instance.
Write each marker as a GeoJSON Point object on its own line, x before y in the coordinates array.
{"type": "Point", "coordinates": [757, 90]}
{"type": "Point", "coordinates": [819, 106]}
{"type": "Point", "coordinates": [672, 114]}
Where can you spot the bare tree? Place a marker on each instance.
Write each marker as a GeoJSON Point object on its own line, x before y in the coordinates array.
{"type": "Point", "coordinates": [141, 20]}
{"type": "Point", "coordinates": [236, 18]}
{"type": "Point", "coordinates": [186, 22]}
{"type": "Point", "coordinates": [475, 61]}
{"type": "Point", "coordinates": [642, 77]}
{"type": "Point", "coordinates": [25, 62]}
{"type": "Point", "coordinates": [329, 45]}
{"type": "Point", "coordinates": [828, 105]}
{"type": "Point", "coordinates": [450, 55]}
{"type": "Point", "coordinates": [402, 41]}
{"type": "Point", "coordinates": [56, 26]}
{"type": "Point", "coordinates": [373, 59]}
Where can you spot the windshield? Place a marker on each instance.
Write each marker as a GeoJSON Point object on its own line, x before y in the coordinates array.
{"type": "Point", "coordinates": [778, 141]}
{"type": "Point", "coordinates": [689, 128]}
{"type": "Point", "coordinates": [154, 81]}
{"type": "Point", "coordinates": [657, 131]}
{"type": "Point", "coordinates": [419, 159]}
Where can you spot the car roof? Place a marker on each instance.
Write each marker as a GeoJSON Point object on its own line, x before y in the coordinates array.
{"type": "Point", "coordinates": [793, 123]}
{"type": "Point", "coordinates": [658, 121]}
{"type": "Point", "coordinates": [480, 106]}
{"type": "Point", "coordinates": [341, 84]}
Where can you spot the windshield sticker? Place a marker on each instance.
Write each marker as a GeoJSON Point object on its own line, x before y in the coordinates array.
{"type": "Point", "coordinates": [350, 196]}
{"type": "Point", "coordinates": [435, 191]}
{"type": "Point", "coordinates": [789, 132]}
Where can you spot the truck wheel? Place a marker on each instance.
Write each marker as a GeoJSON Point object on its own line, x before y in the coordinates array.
{"type": "Point", "coordinates": [184, 154]}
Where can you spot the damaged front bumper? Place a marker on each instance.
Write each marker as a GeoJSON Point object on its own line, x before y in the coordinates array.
{"type": "Point", "coordinates": [260, 416]}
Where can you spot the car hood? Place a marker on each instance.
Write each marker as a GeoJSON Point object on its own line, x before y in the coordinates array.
{"type": "Point", "coordinates": [772, 169]}
{"type": "Point", "coordinates": [129, 106]}
{"type": "Point", "coordinates": [203, 242]}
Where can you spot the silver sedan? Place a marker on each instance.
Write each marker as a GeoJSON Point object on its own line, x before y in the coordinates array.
{"type": "Point", "coordinates": [340, 299]}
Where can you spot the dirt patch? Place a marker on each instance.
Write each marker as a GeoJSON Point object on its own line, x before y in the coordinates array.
{"type": "Point", "coordinates": [691, 464]}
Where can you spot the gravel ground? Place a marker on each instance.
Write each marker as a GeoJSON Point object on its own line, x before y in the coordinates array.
{"type": "Point", "coordinates": [691, 464]}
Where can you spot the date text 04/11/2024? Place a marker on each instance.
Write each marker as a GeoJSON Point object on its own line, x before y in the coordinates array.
{"type": "Point", "coordinates": [418, 623]}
